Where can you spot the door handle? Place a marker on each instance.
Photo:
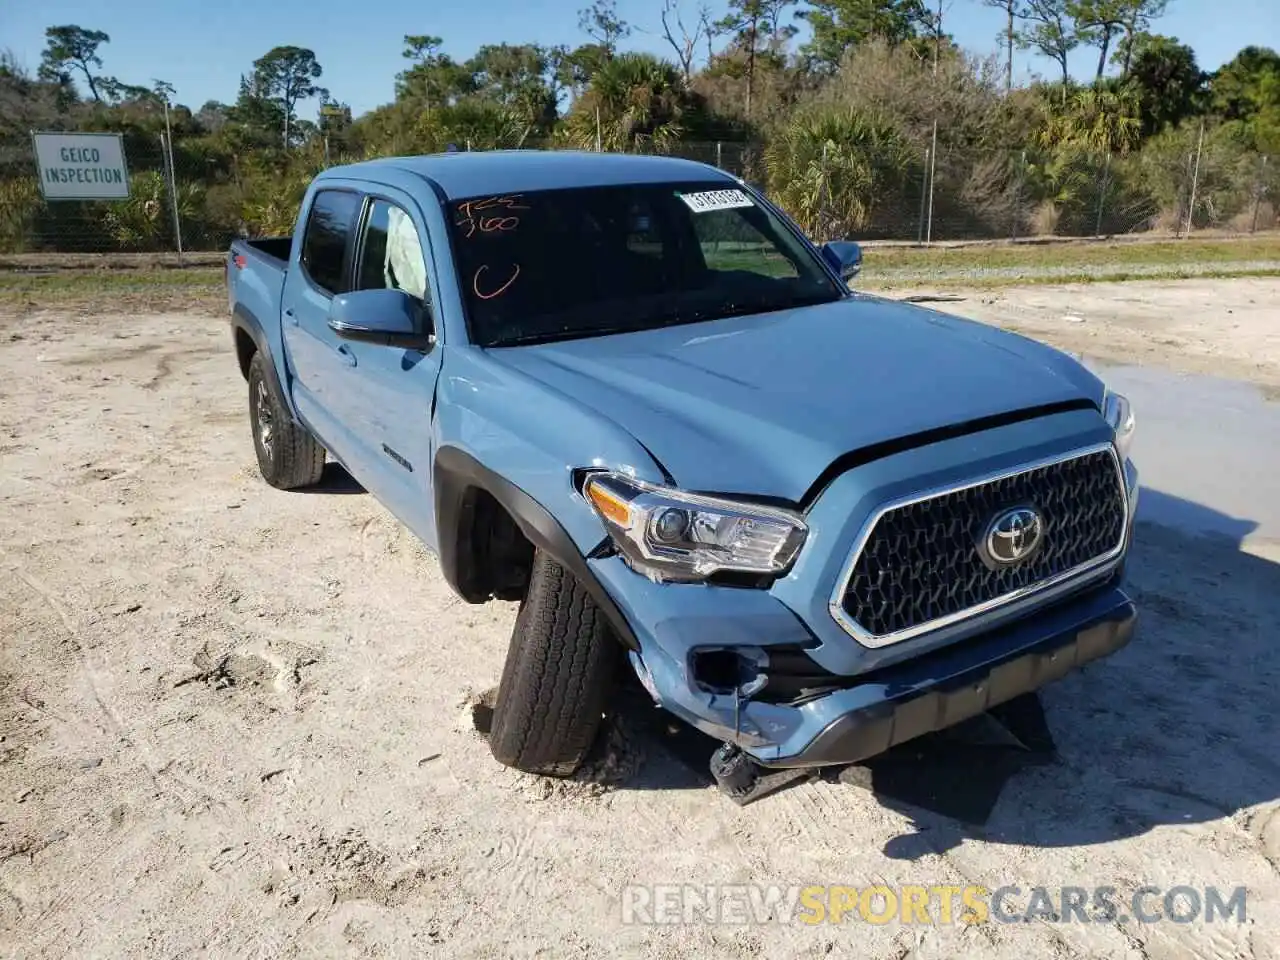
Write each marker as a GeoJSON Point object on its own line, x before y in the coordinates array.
{"type": "Point", "coordinates": [348, 357]}
{"type": "Point", "coordinates": [289, 313]}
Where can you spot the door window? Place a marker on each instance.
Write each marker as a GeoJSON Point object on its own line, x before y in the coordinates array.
{"type": "Point", "coordinates": [324, 246]}
{"type": "Point", "coordinates": [391, 255]}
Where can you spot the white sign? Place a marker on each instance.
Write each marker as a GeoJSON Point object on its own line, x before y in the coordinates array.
{"type": "Point", "coordinates": [710, 200]}
{"type": "Point", "coordinates": [81, 166]}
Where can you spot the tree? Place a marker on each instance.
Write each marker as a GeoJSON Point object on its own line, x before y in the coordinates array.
{"type": "Point", "coordinates": [574, 69]}
{"type": "Point", "coordinates": [213, 115]}
{"type": "Point", "coordinates": [516, 78]}
{"type": "Point", "coordinates": [1138, 16]}
{"type": "Point", "coordinates": [117, 92]}
{"type": "Point", "coordinates": [1237, 87]}
{"type": "Point", "coordinates": [830, 167]}
{"type": "Point", "coordinates": [634, 101]}
{"type": "Point", "coordinates": [287, 75]}
{"type": "Point", "coordinates": [1168, 81]}
{"type": "Point", "coordinates": [745, 21]}
{"type": "Point", "coordinates": [601, 23]}
{"type": "Point", "coordinates": [71, 48]}
{"type": "Point", "coordinates": [686, 44]}
{"type": "Point", "coordinates": [1097, 120]}
{"type": "Point", "coordinates": [435, 79]}
{"type": "Point", "coordinates": [335, 118]}
{"type": "Point", "coordinates": [163, 91]}
{"type": "Point", "coordinates": [1008, 35]}
{"type": "Point", "coordinates": [1050, 30]}
{"type": "Point", "coordinates": [257, 119]}
{"type": "Point", "coordinates": [839, 25]}
{"type": "Point", "coordinates": [1097, 22]}
{"type": "Point", "coordinates": [1247, 91]}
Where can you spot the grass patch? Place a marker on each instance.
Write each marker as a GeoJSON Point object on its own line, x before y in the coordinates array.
{"type": "Point", "coordinates": [1087, 254]}
{"type": "Point", "coordinates": [978, 281]}
{"type": "Point", "coordinates": [200, 288]}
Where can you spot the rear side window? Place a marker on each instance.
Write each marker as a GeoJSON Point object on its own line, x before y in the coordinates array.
{"type": "Point", "coordinates": [328, 228]}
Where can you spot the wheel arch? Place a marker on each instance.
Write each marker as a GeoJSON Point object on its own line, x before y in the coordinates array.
{"type": "Point", "coordinates": [463, 487]}
{"type": "Point", "coordinates": [250, 339]}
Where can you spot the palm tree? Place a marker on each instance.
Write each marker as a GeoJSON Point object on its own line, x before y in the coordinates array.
{"type": "Point", "coordinates": [635, 102]}
{"type": "Point", "coordinates": [1096, 119]}
{"type": "Point", "coordinates": [829, 168]}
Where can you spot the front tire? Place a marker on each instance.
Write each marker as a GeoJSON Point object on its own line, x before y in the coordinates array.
{"type": "Point", "coordinates": [561, 667]}
{"type": "Point", "coordinates": [288, 456]}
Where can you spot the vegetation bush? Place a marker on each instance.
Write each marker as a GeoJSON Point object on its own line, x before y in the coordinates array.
{"type": "Point", "coordinates": [846, 131]}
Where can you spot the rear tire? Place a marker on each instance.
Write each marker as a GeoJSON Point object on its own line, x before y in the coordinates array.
{"type": "Point", "coordinates": [288, 456]}
{"type": "Point", "coordinates": [561, 668]}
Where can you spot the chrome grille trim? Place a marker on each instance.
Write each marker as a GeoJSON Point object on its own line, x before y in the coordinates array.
{"type": "Point", "coordinates": [1057, 584]}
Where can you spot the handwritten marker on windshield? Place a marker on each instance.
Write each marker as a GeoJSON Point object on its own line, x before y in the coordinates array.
{"type": "Point", "coordinates": [475, 282]}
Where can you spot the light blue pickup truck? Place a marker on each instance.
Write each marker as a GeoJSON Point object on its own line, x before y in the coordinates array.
{"type": "Point", "coordinates": [630, 394]}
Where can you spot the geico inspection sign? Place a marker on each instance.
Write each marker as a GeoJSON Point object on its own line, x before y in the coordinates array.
{"type": "Point", "coordinates": [81, 166]}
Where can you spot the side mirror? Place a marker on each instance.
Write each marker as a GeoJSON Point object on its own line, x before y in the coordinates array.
{"type": "Point", "coordinates": [390, 318]}
{"type": "Point", "coordinates": [844, 256]}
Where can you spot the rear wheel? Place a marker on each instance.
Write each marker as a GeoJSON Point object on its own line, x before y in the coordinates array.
{"type": "Point", "coordinates": [288, 456]}
{"type": "Point", "coordinates": [561, 667]}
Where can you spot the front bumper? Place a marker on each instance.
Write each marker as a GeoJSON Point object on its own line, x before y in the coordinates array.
{"type": "Point", "coordinates": [853, 701]}
{"type": "Point", "coordinates": [941, 690]}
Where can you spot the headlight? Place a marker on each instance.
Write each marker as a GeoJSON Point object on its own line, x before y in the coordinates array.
{"type": "Point", "coordinates": [1119, 413]}
{"type": "Point", "coordinates": [667, 534]}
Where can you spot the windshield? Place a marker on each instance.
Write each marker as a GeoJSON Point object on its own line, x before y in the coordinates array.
{"type": "Point", "coordinates": [557, 264]}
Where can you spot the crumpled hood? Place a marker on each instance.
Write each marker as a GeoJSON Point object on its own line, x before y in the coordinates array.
{"type": "Point", "coordinates": [762, 404]}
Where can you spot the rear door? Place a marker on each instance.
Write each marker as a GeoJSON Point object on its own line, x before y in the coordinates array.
{"type": "Point", "coordinates": [392, 388]}
{"type": "Point", "coordinates": [320, 361]}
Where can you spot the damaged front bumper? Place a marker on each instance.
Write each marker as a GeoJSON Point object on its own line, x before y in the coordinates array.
{"type": "Point", "coordinates": [839, 720]}
{"type": "Point", "coordinates": [736, 663]}
{"type": "Point", "coordinates": [772, 672]}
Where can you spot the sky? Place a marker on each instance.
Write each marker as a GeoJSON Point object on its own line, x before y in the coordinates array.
{"type": "Point", "coordinates": [203, 47]}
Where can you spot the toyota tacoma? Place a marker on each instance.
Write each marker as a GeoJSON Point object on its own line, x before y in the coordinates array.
{"type": "Point", "coordinates": [630, 394]}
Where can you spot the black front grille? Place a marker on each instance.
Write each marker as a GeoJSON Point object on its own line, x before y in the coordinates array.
{"type": "Point", "coordinates": [921, 562]}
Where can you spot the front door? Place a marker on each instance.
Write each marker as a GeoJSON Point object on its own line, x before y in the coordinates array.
{"type": "Point", "coordinates": [392, 388]}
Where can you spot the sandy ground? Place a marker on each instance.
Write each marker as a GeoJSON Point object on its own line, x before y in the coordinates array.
{"type": "Point", "coordinates": [1228, 328]}
{"type": "Point", "coordinates": [238, 722]}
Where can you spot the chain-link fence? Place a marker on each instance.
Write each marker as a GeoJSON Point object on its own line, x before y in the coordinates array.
{"type": "Point", "coordinates": [948, 193]}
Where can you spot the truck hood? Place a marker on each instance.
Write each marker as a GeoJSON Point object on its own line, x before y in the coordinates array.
{"type": "Point", "coordinates": [763, 404]}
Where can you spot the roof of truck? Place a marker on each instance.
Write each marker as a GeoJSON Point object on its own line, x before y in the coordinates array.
{"type": "Point", "coordinates": [461, 175]}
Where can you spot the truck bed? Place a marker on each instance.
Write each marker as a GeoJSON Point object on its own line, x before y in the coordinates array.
{"type": "Point", "coordinates": [272, 248]}
{"type": "Point", "coordinates": [255, 277]}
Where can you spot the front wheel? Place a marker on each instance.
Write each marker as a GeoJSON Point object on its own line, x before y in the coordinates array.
{"type": "Point", "coordinates": [560, 669]}
{"type": "Point", "coordinates": [288, 456]}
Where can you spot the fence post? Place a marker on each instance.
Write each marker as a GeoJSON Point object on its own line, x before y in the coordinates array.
{"type": "Point", "coordinates": [822, 197]}
{"type": "Point", "coordinates": [719, 155]}
{"type": "Point", "coordinates": [171, 181]}
{"type": "Point", "coordinates": [1017, 197]}
{"type": "Point", "coordinates": [1102, 194]}
{"type": "Point", "coordinates": [1195, 180]}
{"type": "Point", "coordinates": [933, 169]}
{"type": "Point", "coordinates": [1258, 189]}
{"type": "Point", "coordinates": [924, 195]}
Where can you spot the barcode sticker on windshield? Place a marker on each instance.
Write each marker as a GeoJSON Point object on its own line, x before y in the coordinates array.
{"type": "Point", "coordinates": [710, 200]}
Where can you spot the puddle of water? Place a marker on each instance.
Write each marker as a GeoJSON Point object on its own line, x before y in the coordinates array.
{"type": "Point", "coordinates": [1207, 449]}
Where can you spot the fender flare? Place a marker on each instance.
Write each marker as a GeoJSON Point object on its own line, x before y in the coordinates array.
{"type": "Point", "coordinates": [242, 319]}
{"type": "Point", "coordinates": [455, 473]}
